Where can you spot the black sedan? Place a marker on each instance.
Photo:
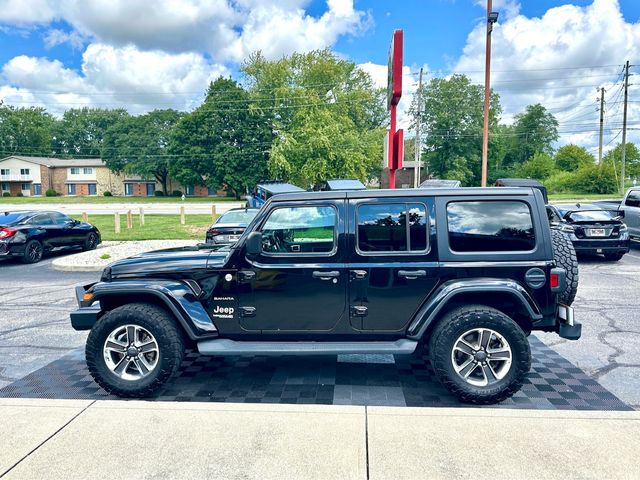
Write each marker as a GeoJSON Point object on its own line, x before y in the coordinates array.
{"type": "Point", "coordinates": [28, 235]}
{"type": "Point", "coordinates": [592, 229]}
{"type": "Point", "coordinates": [230, 225]}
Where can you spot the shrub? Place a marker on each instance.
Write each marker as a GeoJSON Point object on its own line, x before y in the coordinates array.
{"type": "Point", "coordinates": [6, 194]}
{"type": "Point", "coordinates": [559, 182]}
{"type": "Point", "coordinates": [159, 193]}
{"type": "Point", "coordinates": [176, 193]}
{"type": "Point", "coordinates": [540, 166]}
{"type": "Point", "coordinates": [107, 194]}
{"type": "Point", "coordinates": [50, 193]}
{"type": "Point", "coordinates": [595, 179]}
{"type": "Point", "coordinates": [19, 194]}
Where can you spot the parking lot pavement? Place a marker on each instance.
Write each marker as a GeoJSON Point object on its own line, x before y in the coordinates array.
{"type": "Point", "coordinates": [35, 302]}
{"type": "Point", "coordinates": [607, 305]}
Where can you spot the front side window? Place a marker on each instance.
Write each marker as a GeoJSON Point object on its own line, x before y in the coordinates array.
{"type": "Point", "coordinates": [490, 226]}
{"type": "Point", "coordinates": [392, 227]}
{"type": "Point", "coordinates": [300, 230]}
{"type": "Point", "coordinates": [59, 218]}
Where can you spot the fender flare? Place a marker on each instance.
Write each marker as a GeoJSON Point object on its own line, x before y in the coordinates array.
{"type": "Point", "coordinates": [181, 299]}
{"type": "Point", "coordinates": [449, 290]}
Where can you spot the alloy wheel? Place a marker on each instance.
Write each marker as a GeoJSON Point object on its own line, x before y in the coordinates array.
{"type": "Point", "coordinates": [34, 251]}
{"type": "Point", "coordinates": [481, 357]}
{"type": "Point", "coordinates": [131, 352]}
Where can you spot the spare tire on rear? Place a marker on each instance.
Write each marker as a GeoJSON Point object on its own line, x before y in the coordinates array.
{"type": "Point", "coordinates": [565, 256]}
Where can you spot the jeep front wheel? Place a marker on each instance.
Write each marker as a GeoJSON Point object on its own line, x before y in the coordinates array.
{"type": "Point", "coordinates": [134, 349]}
{"type": "Point", "coordinates": [480, 354]}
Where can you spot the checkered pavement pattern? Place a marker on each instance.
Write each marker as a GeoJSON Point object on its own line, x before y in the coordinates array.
{"type": "Point", "coordinates": [553, 382]}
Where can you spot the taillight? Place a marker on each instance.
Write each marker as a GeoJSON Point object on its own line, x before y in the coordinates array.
{"type": "Point", "coordinates": [554, 280]}
{"type": "Point", "coordinates": [7, 232]}
{"type": "Point", "coordinates": [213, 232]}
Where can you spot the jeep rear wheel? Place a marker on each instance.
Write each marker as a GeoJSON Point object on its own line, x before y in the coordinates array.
{"type": "Point", "coordinates": [565, 256]}
{"type": "Point", "coordinates": [480, 354]}
{"type": "Point", "coordinates": [134, 349]}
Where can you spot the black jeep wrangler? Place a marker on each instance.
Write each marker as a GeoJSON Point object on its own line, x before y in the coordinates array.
{"type": "Point", "coordinates": [464, 273]}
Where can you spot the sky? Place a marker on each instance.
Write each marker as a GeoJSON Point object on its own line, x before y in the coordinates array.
{"type": "Point", "coordinates": [143, 55]}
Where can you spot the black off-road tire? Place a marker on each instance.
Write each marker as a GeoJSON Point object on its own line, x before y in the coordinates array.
{"type": "Point", "coordinates": [90, 242]}
{"type": "Point", "coordinates": [160, 324]}
{"type": "Point", "coordinates": [33, 252]}
{"type": "Point", "coordinates": [614, 257]}
{"type": "Point", "coordinates": [565, 256]}
{"type": "Point", "coordinates": [461, 320]}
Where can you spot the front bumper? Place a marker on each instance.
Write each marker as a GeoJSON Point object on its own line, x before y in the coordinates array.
{"type": "Point", "coordinates": [87, 314]}
{"type": "Point", "coordinates": [567, 326]}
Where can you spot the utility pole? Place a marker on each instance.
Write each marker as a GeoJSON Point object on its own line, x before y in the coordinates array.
{"type": "Point", "coordinates": [416, 168]}
{"type": "Point", "coordinates": [601, 124]}
{"type": "Point", "coordinates": [492, 17]}
{"type": "Point", "coordinates": [624, 126]}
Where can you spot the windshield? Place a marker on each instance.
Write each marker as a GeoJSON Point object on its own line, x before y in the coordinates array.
{"type": "Point", "coordinates": [592, 216]}
{"type": "Point", "coordinates": [10, 218]}
{"type": "Point", "coordinates": [244, 216]}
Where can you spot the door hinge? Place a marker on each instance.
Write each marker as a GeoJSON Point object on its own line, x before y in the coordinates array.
{"type": "Point", "coordinates": [246, 275]}
{"type": "Point", "coordinates": [358, 311]}
{"type": "Point", "coordinates": [247, 312]}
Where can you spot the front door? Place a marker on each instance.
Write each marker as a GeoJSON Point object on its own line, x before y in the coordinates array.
{"type": "Point", "coordinates": [298, 282]}
{"type": "Point", "coordinates": [632, 212]}
{"type": "Point", "coordinates": [394, 265]}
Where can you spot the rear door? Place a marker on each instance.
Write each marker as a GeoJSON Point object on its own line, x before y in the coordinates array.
{"type": "Point", "coordinates": [631, 208]}
{"type": "Point", "coordinates": [393, 265]}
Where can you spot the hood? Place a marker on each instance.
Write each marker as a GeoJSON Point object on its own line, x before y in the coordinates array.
{"type": "Point", "coordinates": [169, 261]}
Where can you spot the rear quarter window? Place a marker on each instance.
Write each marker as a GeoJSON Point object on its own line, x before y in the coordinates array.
{"type": "Point", "coordinates": [490, 226]}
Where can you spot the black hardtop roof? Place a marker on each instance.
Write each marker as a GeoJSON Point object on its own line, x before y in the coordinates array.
{"type": "Point", "coordinates": [345, 184]}
{"type": "Point", "coordinates": [280, 187]}
{"type": "Point", "coordinates": [406, 192]}
{"type": "Point", "coordinates": [518, 182]}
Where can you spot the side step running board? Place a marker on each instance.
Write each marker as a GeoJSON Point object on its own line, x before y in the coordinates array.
{"type": "Point", "coordinates": [225, 346]}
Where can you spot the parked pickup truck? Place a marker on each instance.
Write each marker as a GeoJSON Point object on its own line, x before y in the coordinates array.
{"type": "Point", "coordinates": [630, 205]}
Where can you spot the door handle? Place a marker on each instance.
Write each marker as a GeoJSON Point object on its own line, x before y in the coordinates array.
{"type": "Point", "coordinates": [326, 275]}
{"type": "Point", "coordinates": [411, 274]}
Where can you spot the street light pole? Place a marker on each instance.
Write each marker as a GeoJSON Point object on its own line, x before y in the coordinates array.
{"type": "Point", "coordinates": [492, 17]}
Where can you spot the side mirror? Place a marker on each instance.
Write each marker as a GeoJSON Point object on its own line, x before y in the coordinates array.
{"type": "Point", "coordinates": [254, 244]}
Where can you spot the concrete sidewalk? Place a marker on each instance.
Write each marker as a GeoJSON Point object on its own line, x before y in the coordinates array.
{"type": "Point", "coordinates": [71, 439]}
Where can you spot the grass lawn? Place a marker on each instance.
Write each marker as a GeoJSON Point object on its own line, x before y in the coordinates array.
{"type": "Point", "coordinates": [157, 227]}
{"type": "Point", "coordinates": [103, 199]}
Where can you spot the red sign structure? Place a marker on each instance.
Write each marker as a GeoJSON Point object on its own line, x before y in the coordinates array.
{"type": "Point", "coordinates": [394, 92]}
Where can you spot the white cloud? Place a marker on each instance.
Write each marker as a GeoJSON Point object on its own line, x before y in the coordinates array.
{"type": "Point", "coordinates": [535, 59]}
{"type": "Point", "coordinates": [111, 77]}
{"type": "Point", "coordinates": [56, 37]}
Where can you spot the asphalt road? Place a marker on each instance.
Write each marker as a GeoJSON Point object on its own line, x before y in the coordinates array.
{"type": "Point", "coordinates": [35, 302]}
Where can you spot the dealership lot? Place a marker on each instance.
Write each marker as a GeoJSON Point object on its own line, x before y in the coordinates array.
{"type": "Point", "coordinates": [35, 331]}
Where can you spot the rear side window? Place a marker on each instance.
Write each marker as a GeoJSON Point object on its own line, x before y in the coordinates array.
{"type": "Point", "coordinates": [490, 226]}
{"type": "Point", "coordinates": [392, 227]}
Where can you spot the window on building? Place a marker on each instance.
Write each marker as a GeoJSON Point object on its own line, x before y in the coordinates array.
{"type": "Point", "coordinates": [392, 227]}
{"type": "Point", "coordinates": [151, 188]}
{"type": "Point", "coordinates": [37, 189]}
{"type": "Point", "coordinates": [128, 189]}
{"type": "Point", "coordinates": [189, 190]}
{"type": "Point", "coordinates": [211, 192]}
{"type": "Point", "coordinates": [5, 171]}
{"type": "Point", "coordinates": [88, 170]}
{"type": "Point", "coordinates": [75, 171]}
{"type": "Point", "coordinates": [300, 230]}
{"type": "Point", "coordinates": [490, 226]}
{"type": "Point", "coordinates": [24, 171]}
{"type": "Point", "coordinates": [5, 187]}
{"type": "Point", "coordinates": [92, 189]}
{"type": "Point", "coordinates": [71, 189]}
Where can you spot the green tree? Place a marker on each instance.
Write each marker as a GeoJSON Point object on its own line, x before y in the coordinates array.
{"type": "Point", "coordinates": [138, 145]}
{"type": "Point", "coordinates": [533, 131]}
{"type": "Point", "coordinates": [224, 143]}
{"type": "Point", "coordinates": [302, 91]}
{"type": "Point", "coordinates": [25, 131]}
{"type": "Point", "coordinates": [540, 167]}
{"type": "Point", "coordinates": [631, 161]}
{"type": "Point", "coordinates": [570, 158]}
{"type": "Point", "coordinates": [81, 131]}
{"type": "Point", "coordinates": [452, 118]}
